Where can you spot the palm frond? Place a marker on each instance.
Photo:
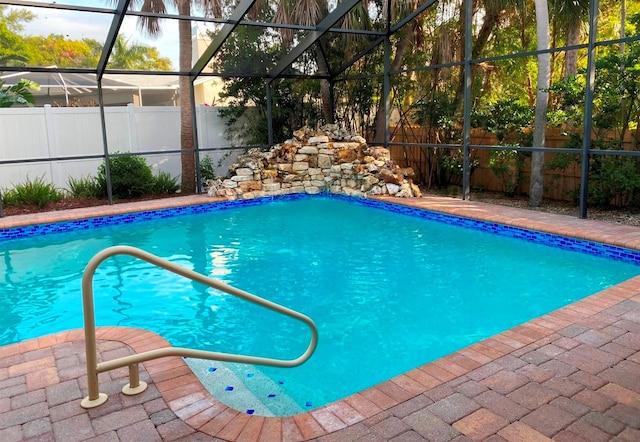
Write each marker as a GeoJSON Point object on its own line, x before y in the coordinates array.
{"type": "Point", "coordinates": [151, 25]}
{"type": "Point", "coordinates": [309, 12]}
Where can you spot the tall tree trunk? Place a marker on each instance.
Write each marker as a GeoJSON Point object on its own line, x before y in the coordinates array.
{"type": "Point", "coordinates": [623, 20]}
{"type": "Point", "coordinates": [571, 57]}
{"type": "Point", "coordinates": [490, 21]}
{"type": "Point", "coordinates": [540, 121]}
{"type": "Point", "coordinates": [325, 90]}
{"type": "Point", "coordinates": [187, 156]}
{"type": "Point", "coordinates": [401, 50]}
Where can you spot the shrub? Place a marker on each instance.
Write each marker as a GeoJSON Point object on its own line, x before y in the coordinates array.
{"type": "Point", "coordinates": [614, 181]}
{"type": "Point", "coordinates": [130, 176]}
{"type": "Point", "coordinates": [164, 183]}
{"type": "Point", "coordinates": [36, 192]}
{"type": "Point", "coordinates": [85, 187]}
{"type": "Point", "coordinates": [207, 171]}
{"type": "Point", "coordinates": [507, 166]}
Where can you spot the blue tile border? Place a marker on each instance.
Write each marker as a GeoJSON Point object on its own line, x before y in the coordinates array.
{"type": "Point", "coordinates": [550, 239]}
{"type": "Point", "coordinates": [579, 245]}
{"type": "Point", "coordinates": [128, 218]}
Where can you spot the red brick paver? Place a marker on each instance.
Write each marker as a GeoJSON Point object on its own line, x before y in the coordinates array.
{"type": "Point", "coordinates": [573, 374]}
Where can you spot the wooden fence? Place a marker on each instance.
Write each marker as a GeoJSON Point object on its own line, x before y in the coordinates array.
{"type": "Point", "coordinates": [558, 184]}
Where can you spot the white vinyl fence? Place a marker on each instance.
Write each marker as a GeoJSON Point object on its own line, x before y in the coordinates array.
{"type": "Point", "coordinates": [62, 132]}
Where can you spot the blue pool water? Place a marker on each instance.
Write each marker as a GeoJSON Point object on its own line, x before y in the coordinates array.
{"type": "Point", "coordinates": [388, 291]}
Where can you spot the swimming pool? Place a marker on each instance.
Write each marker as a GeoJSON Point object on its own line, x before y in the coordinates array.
{"type": "Point", "coordinates": [352, 297]}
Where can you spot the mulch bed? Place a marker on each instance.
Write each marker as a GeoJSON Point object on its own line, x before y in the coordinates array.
{"type": "Point", "coordinates": [75, 203]}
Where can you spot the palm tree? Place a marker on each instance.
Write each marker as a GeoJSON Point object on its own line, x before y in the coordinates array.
{"type": "Point", "coordinates": [136, 56]}
{"type": "Point", "coordinates": [307, 13]}
{"type": "Point", "coordinates": [151, 25]}
{"type": "Point", "coordinates": [310, 12]}
{"type": "Point", "coordinates": [570, 15]}
{"type": "Point", "coordinates": [540, 119]}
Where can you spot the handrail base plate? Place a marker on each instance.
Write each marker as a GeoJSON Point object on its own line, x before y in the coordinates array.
{"type": "Point", "coordinates": [88, 403]}
{"type": "Point", "coordinates": [136, 390]}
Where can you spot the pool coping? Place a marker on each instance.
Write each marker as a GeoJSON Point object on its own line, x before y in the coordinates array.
{"type": "Point", "coordinates": [190, 401]}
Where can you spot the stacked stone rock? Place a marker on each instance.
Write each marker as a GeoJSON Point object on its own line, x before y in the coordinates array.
{"type": "Point", "coordinates": [327, 160]}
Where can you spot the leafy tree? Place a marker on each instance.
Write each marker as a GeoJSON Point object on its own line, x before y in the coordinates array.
{"type": "Point", "coordinates": [241, 52]}
{"type": "Point", "coordinates": [569, 18]}
{"type": "Point", "coordinates": [126, 55]}
{"type": "Point", "coordinates": [612, 180]}
{"type": "Point", "coordinates": [57, 50]}
{"type": "Point", "coordinates": [616, 92]}
{"type": "Point", "coordinates": [11, 43]}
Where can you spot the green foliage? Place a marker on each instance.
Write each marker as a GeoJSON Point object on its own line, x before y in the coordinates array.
{"type": "Point", "coordinates": [130, 55]}
{"type": "Point", "coordinates": [439, 112]}
{"type": "Point", "coordinates": [11, 43]}
{"type": "Point", "coordinates": [164, 184]}
{"type": "Point", "coordinates": [567, 102]}
{"type": "Point", "coordinates": [207, 171]}
{"type": "Point", "coordinates": [510, 121]}
{"type": "Point", "coordinates": [616, 104]}
{"type": "Point", "coordinates": [614, 181]}
{"type": "Point", "coordinates": [32, 192]}
{"type": "Point", "coordinates": [507, 166]}
{"type": "Point", "coordinates": [87, 187]}
{"type": "Point", "coordinates": [289, 110]}
{"type": "Point", "coordinates": [451, 166]}
{"type": "Point", "coordinates": [130, 176]}
{"type": "Point", "coordinates": [293, 102]}
{"type": "Point", "coordinates": [96, 187]}
{"type": "Point", "coordinates": [19, 93]}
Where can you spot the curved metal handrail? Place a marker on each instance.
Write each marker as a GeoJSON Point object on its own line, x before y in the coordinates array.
{"type": "Point", "coordinates": [136, 386]}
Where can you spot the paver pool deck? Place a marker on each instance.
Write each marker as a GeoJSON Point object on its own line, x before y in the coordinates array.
{"type": "Point", "coordinates": [570, 375]}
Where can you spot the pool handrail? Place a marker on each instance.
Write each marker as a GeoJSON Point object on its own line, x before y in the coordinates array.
{"type": "Point", "coordinates": [135, 386]}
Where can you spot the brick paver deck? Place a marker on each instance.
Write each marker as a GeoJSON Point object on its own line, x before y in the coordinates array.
{"type": "Point", "coordinates": [570, 375]}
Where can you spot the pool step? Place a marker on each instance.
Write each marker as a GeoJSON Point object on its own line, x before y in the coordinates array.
{"type": "Point", "coordinates": [244, 387]}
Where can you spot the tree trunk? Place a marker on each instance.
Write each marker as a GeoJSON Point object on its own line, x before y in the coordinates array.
{"type": "Point", "coordinates": [571, 57]}
{"type": "Point", "coordinates": [540, 122]}
{"type": "Point", "coordinates": [187, 156]}
{"type": "Point", "coordinates": [401, 50]}
{"type": "Point", "coordinates": [490, 21]}
{"type": "Point", "coordinates": [325, 90]}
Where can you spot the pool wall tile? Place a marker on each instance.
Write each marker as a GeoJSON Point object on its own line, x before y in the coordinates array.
{"type": "Point", "coordinates": [568, 243]}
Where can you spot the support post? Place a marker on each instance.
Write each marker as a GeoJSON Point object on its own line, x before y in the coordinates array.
{"type": "Point", "coordinates": [386, 91]}
{"type": "Point", "coordinates": [466, 124]}
{"type": "Point", "coordinates": [269, 114]}
{"type": "Point", "coordinates": [135, 385]}
{"type": "Point", "coordinates": [194, 123]}
{"type": "Point", "coordinates": [588, 107]}
{"type": "Point", "coordinates": [105, 146]}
